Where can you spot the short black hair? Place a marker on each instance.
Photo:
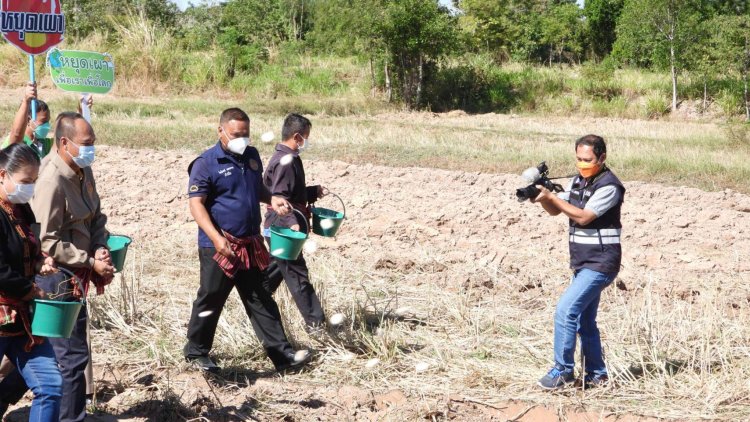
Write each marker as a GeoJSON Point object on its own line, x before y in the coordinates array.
{"type": "Point", "coordinates": [233, 113]}
{"type": "Point", "coordinates": [595, 142]}
{"type": "Point", "coordinates": [65, 125]}
{"type": "Point", "coordinates": [17, 156]}
{"type": "Point", "coordinates": [294, 123]}
{"type": "Point", "coordinates": [40, 107]}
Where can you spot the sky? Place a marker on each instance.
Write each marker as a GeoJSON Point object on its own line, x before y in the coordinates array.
{"type": "Point", "coordinates": [182, 4]}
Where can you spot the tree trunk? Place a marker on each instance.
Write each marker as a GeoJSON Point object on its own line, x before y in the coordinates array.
{"type": "Point", "coordinates": [747, 103]}
{"type": "Point", "coordinates": [388, 87]}
{"type": "Point", "coordinates": [674, 75]}
{"type": "Point", "coordinates": [301, 18]}
{"type": "Point", "coordinates": [420, 78]}
{"type": "Point", "coordinates": [372, 76]}
{"type": "Point", "coordinates": [744, 75]}
{"type": "Point", "coordinates": [705, 94]}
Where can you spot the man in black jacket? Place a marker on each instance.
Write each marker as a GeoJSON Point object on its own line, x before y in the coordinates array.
{"type": "Point", "coordinates": [285, 177]}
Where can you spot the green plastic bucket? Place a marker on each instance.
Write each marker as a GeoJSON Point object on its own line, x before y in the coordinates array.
{"type": "Point", "coordinates": [53, 318]}
{"type": "Point", "coordinates": [327, 222]}
{"type": "Point", "coordinates": [118, 248]}
{"type": "Point", "coordinates": [286, 243]}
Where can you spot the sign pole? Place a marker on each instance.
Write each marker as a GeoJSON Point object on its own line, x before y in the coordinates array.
{"type": "Point", "coordinates": [85, 110]}
{"type": "Point", "coordinates": [32, 76]}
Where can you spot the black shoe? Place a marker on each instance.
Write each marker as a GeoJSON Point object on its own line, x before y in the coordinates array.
{"type": "Point", "coordinates": [594, 381]}
{"type": "Point", "coordinates": [204, 363]}
{"type": "Point", "coordinates": [295, 360]}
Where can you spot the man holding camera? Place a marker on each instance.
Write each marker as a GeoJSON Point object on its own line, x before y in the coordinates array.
{"type": "Point", "coordinates": [592, 205]}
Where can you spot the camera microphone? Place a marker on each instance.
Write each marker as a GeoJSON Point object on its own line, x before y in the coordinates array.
{"type": "Point", "coordinates": [531, 174]}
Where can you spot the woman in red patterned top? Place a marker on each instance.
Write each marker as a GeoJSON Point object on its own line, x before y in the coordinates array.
{"type": "Point", "coordinates": [20, 260]}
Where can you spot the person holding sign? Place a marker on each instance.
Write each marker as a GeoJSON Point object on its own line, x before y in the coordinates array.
{"type": "Point", "coordinates": [73, 232]}
{"type": "Point", "coordinates": [34, 132]}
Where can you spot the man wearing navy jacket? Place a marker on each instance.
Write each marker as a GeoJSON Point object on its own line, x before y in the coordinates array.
{"type": "Point", "coordinates": [225, 191]}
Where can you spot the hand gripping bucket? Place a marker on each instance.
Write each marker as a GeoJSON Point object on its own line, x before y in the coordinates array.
{"type": "Point", "coordinates": [118, 248]}
{"type": "Point", "coordinates": [327, 222]}
{"type": "Point", "coordinates": [54, 318]}
{"type": "Point", "coordinates": [286, 243]}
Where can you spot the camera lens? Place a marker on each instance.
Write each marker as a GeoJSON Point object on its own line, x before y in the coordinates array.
{"type": "Point", "coordinates": [528, 192]}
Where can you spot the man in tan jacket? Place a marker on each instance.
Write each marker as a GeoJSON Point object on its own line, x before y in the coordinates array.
{"type": "Point", "coordinates": [73, 233]}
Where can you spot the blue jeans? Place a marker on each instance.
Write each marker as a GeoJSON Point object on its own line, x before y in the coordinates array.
{"type": "Point", "coordinates": [39, 369]}
{"type": "Point", "coordinates": [576, 314]}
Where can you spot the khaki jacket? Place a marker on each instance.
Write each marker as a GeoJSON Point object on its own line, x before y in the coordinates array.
{"type": "Point", "coordinates": [67, 207]}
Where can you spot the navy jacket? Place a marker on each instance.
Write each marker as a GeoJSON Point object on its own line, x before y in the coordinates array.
{"type": "Point", "coordinates": [233, 187]}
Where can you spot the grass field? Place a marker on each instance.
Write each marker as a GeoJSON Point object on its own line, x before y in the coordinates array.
{"type": "Point", "coordinates": [708, 155]}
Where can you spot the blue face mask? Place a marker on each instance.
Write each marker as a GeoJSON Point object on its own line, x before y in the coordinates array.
{"type": "Point", "coordinates": [85, 155]}
{"type": "Point", "coordinates": [41, 131]}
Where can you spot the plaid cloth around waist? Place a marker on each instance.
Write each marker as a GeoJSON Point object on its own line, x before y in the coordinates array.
{"type": "Point", "coordinates": [242, 259]}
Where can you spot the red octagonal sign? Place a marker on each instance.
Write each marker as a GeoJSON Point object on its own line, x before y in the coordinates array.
{"type": "Point", "coordinates": [34, 26]}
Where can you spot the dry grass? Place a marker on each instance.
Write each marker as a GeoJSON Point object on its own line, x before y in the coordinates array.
{"type": "Point", "coordinates": [668, 358]}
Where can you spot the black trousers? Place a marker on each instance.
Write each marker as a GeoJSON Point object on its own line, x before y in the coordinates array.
{"type": "Point", "coordinates": [260, 307]}
{"type": "Point", "coordinates": [295, 274]}
{"type": "Point", "coordinates": [72, 353]}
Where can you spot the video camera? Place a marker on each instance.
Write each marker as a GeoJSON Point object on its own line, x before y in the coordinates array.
{"type": "Point", "coordinates": [538, 175]}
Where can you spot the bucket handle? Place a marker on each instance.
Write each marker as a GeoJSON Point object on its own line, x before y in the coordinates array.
{"type": "Point", "coordinates": [340, 200]}
{"type": "Point", "coordinates": [307, 225]}
{"type": "Point", "coordinates": [75, 280]}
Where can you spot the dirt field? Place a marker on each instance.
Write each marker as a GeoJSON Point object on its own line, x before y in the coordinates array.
{"type": "Point", "coordinates": [451, 284]}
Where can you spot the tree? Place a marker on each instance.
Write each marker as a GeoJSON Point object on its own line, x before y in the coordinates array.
{"type": "Point", "coordinates": [601, 24]}
{"type": "Point", "coordinates": [659, 33]}
{"type": "Point", "coordinates": [731, 52]}
{"type": "Point", "coordinates": [562, 30]}
{"type": "Point", "coordinates": [414, 32]}
{"type": "Point", "coordinates": [490, 24]}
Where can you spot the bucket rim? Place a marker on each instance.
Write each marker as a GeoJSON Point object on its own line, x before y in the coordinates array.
{"type": "Point", "coordinates": [56, 302]}
{"type": "Point", "coordinates": [339, 215]}
{"type": "Point", "coordinates": [343, 205]}
{"type": "Point", "coordinates": [122, 236]}
{"type": "Point", "coordinates": [277, 231]}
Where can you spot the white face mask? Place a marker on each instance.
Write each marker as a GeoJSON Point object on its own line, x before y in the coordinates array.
{"type": "Point", "coordinates": [305, 145]}
{"type": "Point", "coordinates": [22, 194]}
{"type": "Point", "coordinates": [237, 145]}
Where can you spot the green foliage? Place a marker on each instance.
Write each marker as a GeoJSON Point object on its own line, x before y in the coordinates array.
{"type": "Point", "coordinates": [601, 24]}
{"type": "Point", "coordinates": [648, 29]}
{"type": "Point", "coordinates": [562, 32]}
{"type": "Point", "coordinates": [479, 59]}
{"type": "Point", "coordinates": [414, 32]}
{"type": "Point", "coordinates": [475, 88]}
{"type": "Point", "coordinates": [83, 17]}
{"type": "Point", "coordinates": [656, 106]}
{"type": "Point", "coordinates": [730, 102]}
{"type": "Point", "coordinates": [344, 27]}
